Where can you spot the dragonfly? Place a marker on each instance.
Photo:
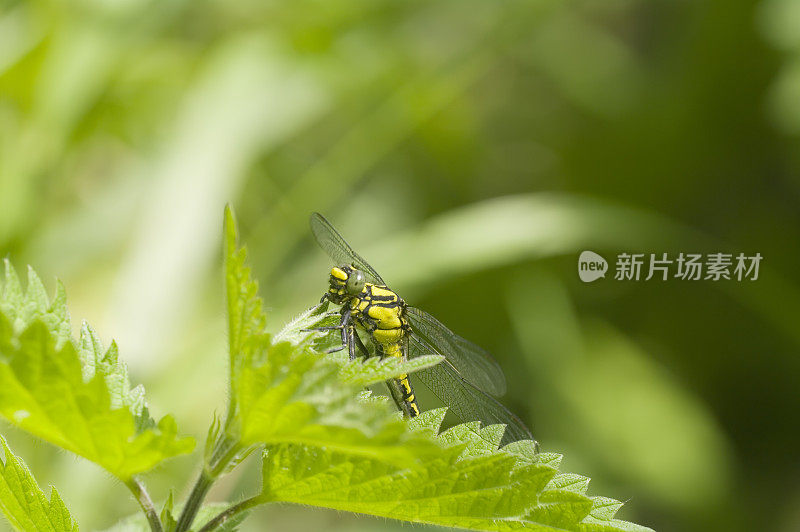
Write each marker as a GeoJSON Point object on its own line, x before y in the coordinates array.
{"type": "Point", "coordinates": [468, 379]}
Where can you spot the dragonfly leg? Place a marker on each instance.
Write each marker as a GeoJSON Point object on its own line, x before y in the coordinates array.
{"type": "Point", "coordinates": [334, 349]}
{"type": "Point", "coordinates": [342, 323]}
{"type": "Point", "coordinates": [355, 346]}
{"type": "Point", "coordinates": [326, 328]}
{"type": "Point", "coordinates": [345, 324]}
{"type": "Point", "coordinates": [361, 346]}
{"type": "Point", "coordinates": [351, 342]}
{"type": "Point", "coordinates": [350, 337]}
{"type": "Point", "coordinates": [347, 330]}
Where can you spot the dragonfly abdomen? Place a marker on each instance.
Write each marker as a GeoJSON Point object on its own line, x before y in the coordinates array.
{"type": "Point", "coordinates": [382, 314]}
{"type": "Point", "coordinates": [403, 395]}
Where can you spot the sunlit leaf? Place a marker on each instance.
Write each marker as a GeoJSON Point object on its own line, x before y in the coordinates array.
{"type": "Point", "coordinates": [74, 394]}
{"type": "Point", "coordinates": [246, 318]}
{"type": "Point", "coordinates": [470, 483]}
{"type": "Point", "coordinates": [24, 503]}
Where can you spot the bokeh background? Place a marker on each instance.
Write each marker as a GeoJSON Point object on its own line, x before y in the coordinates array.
{"type": "Point", "coordinates": [470, 150]}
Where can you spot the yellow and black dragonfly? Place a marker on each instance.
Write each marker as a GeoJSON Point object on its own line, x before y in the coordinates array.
{"type": "Point", "coordinates": [467, 380]}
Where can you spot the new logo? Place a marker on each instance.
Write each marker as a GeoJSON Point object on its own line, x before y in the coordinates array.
{"type": "Point", "coordinates": [591, 266]}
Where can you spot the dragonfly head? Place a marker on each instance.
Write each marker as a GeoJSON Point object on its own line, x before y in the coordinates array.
{"type": "Point", "coordinates": [346, 282]}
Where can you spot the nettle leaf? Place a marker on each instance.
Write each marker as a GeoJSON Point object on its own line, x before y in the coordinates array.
{"type": "Point", "coordinates": [24, 504]}
{"type": "Point", "coordinates": [298, 396]}
{"type": "Point", "coordinates": [74, 393]}
{"type": "Point", "coordinates": [168, 520]}
{"type": "Point", "coordinates": [374, 369]}
{"type": "Point", "coordinates": [470, 483]}
{"type": "Point", "coordinates": [23, 307]}
{"type": "Point", "coordinates": [246, 317]}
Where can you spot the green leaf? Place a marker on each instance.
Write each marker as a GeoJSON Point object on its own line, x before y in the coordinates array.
{"type": "Point", "coordinates": [74, 394]}
{"type": "Point", "coordinates": [23, 307]}
{"type": "Point", "coordinates": [298, 396]}
{"type": "Point", "coordinates": [24, 504]}
{"type": "Point", "coordinates": [246, 318]}
{"type": "Point", "coordinates": [374, 369]}
{"type": "Point", "coordinates": [469, 483]}
{"type": "Point", "coordinates": [167, 517]}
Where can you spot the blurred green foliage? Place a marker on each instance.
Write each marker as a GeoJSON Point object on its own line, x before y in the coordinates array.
{"type": "Point", "coordinates": [469, 150]}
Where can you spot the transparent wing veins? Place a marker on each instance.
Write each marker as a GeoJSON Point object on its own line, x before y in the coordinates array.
{"type": "Point", "coordinates": [338, 249]}
{"type": "Point", "coordinates": [466, 401]}
{"type": "Point", "coordinates": [472, 363]}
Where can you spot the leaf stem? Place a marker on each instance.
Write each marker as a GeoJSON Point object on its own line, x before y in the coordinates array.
{"type": "Point", "coordinates": [225, 451]}
{"type": "Point", "coordinates": [195, 501]}
{"type": "Point", "coordinates": [140, 492]}
{"type": "Point", "coordinates": [230, 512]}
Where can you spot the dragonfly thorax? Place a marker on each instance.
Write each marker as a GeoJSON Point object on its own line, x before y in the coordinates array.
{"type": "Point", "coordinates": [375, 308]}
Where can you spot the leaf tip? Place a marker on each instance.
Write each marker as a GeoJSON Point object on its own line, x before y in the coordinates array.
{"type": "Point", "coordinates": [429, 420]}
{"type": "Point", "coordinates": [229, 226]}
{"type": "Point", "coordinates": [6, 451]}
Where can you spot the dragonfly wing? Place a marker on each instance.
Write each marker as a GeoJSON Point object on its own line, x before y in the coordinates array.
{"type": "Point", "coordinates": [338, 249]}
{"type": "Point", "coordinates": [466, 401]}
{"type": "Point", "coordinates": [473, 364]}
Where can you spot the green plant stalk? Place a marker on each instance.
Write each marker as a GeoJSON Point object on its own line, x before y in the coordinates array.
{"type": "Point", "coordinates": [139, 491]}
{"type": "Point", "coordinates": [195, 500]}
{"type": "Point", "coordinates": [231, 512]}
{"type": "Point", "coordinates": [225, 450]}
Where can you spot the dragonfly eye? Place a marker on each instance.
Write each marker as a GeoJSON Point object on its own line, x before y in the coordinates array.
{"type": "Point", "coordinates": [355, 282]}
